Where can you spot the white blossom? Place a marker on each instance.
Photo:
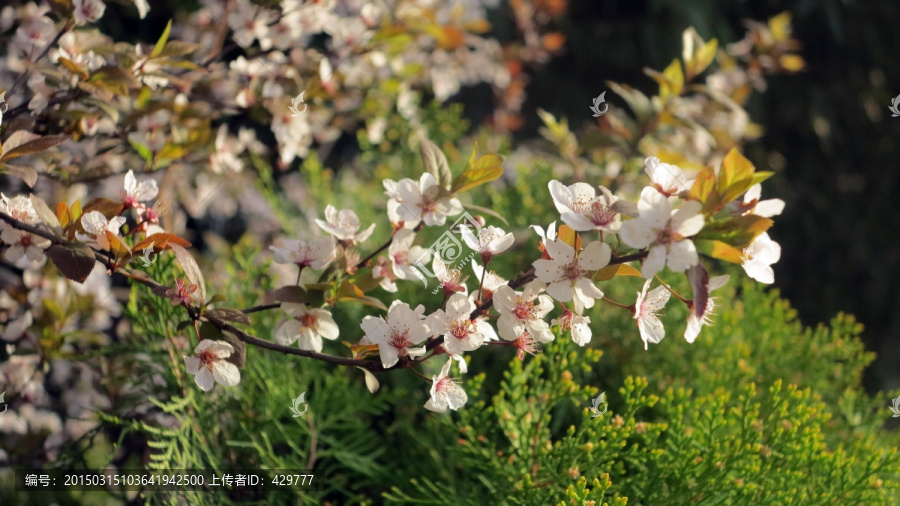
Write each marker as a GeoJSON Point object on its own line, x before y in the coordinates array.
{"type": "Point", "coordinates": [315, 253]}
{"type": "Point", "coordinates": [86, 11]}
{"type": "Point", "coordinates": [419, 201]}
{"type": "Point", "coordinates": [564, 272]}
{"type": "Point", "coordinates": [405, 257]}
{"type": "Point", "coordinates": [208, 365]}
{"type": "Point", "coordinates": [344, 225]}
{"type": "Point", "coordinates": [445, 392]}
{"type": "Point", "coordinates": [308, 327]}
{"type": "Point", "coordinates": [404, 327]}
{"type": "Point", "coordinates": [134, 192]}
{"type": "Point", "coordinates": [694, 324]}
{"type": "Point", "coordinates": [664, 231]}
{"type": "Point", "coordinates": [765, 208]}
{"type": "Point", "coordinates": [461, 334]}
{"type": "Point", "coordinates": [96, 225]}
{"type": "Point", "coordinates": [582, 209]}
{"type": "Point", "coordinates": [577, 324]}
{"type": "Point", "coordinates": [758, 258]}
{"type": "Point", "coordinates": [668, 179]}
{"type": "Point", "coordinates": [22, 245]}
{"type": "Point", "coordinates": [523, 312]}
{"type": "Point", "coordinates": [645, 308]}
{"type": "Point", "coordinates": [490, 241]}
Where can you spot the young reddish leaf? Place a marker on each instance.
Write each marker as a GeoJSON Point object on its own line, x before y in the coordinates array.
{"type": "Point", "coordinates": [108, 208]}
{"type": "Point", "coordinates": [75, 261]}
{"type": "Point", "coordinates": [62, 214]}
{"type": "Point", "coordinates": [119, 249]}
{"type": "Point", "coordinates": [35, 144]}
{"type": "Point", "coordinates": [161, 241]}
{"type": "Point", "coordinates": [611, 271]}
{"type": "Point", "coordinates": [699, 279]}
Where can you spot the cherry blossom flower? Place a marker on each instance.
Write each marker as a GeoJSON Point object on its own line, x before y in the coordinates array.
{"type": "Point", "coordinates": [419, 201]}
{"type": "Point", "coordinates": [17, 329]}
{"type": "Point", "coordinates": [96, 225]}
{"type": "Point", "coordinates": [758, 258]}
{"type": "Point", "coordinates": [450, 278]}
{"type": "Point", "coordinates": [668, 179]}
{"type": "Point", "coordinates": [384, 270]}
{"type": "Point", "coordinates": [577, 324]}
{"type": "Point", "coordinates": [664, 231]}
{"type": "Point", "coordinates": [308, 325]}
{"type": "Point", "coordinates": [765, 208]}
{"type": "Point", "coordinates": [344, 225]}
{"type": "Point", "coordinates": [526, 344]}
{"type": "Point", "coordinates": [490, 241]}
{"type": "Point", "coordinates": [445, 392]}
{"type": "Point", "coordinates": [315, 253]}
{"type": "Point", "coordinates": [226, 157]}
{"type": "Point", "coordinates": [645, 308]}
{"type": "Point", "coordinates": [695, 323]}
{"type": "Point", "coordinates": [564, 272]}
{"type": "Point", "coordinates": [86, 11]}
{"type": "Point", "coordinates": [21, 244]}
{"type": "Point", "coordinates": [491, 282]}
{"type": "Point", "coordinates": [404, 327]}
{"type": "Point", "coordinates": [405, 257]}
{"type": "Point", "coordinates": [523, 312]}
{"type": "Point", "coordinates": [461, 334]}
{"type": "Point", "coordinates": [134, 192]}
{"type": "Point", "coordinates": [181, 294]}
{"type": "Point", "coordinates": [208, 365]}
{"type": "Point", "coordinates": [582, 209]}
{"type": "Point", "coordinates": [549, 235]}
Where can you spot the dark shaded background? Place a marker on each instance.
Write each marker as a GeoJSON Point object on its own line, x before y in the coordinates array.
{"type": "Point", "coordinates": [829, 136]}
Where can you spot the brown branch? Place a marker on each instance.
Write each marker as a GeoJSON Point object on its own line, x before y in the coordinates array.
{"type": "Point", "coordinates": [224, 326]}
{"type": "Point", "coordinates": [261, 307]}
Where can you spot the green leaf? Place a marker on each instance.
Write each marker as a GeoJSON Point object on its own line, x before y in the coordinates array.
{"type": "Point", "coordinates": [611, 271]}
{"type": "Point", "coordinates": [161, 43]}
{"type": "Point", "coordinates": [436, 163]}
{"type": "Point", "coordinates": [227, 315]}
{"type": "Point", "coordinates": [75, 261]}
{"type": "Point", "coordinates": [46, 215]}
{"type": "Point", "coordinates": [720, 250]}
{"type": "Point", "coordinates": [484, 169]}
{"type": "Point", "coordinates": [738, 232]}
{"type": "Point", "coordinates": [291, 294]}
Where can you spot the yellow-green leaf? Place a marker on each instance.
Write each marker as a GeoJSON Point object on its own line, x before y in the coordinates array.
{"type": "Point", "coordinates": [720, 250]}
{"type": "Point", "coordinates": [611, 271]}
{"type": "Point", "coordinates": [161, 43]}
